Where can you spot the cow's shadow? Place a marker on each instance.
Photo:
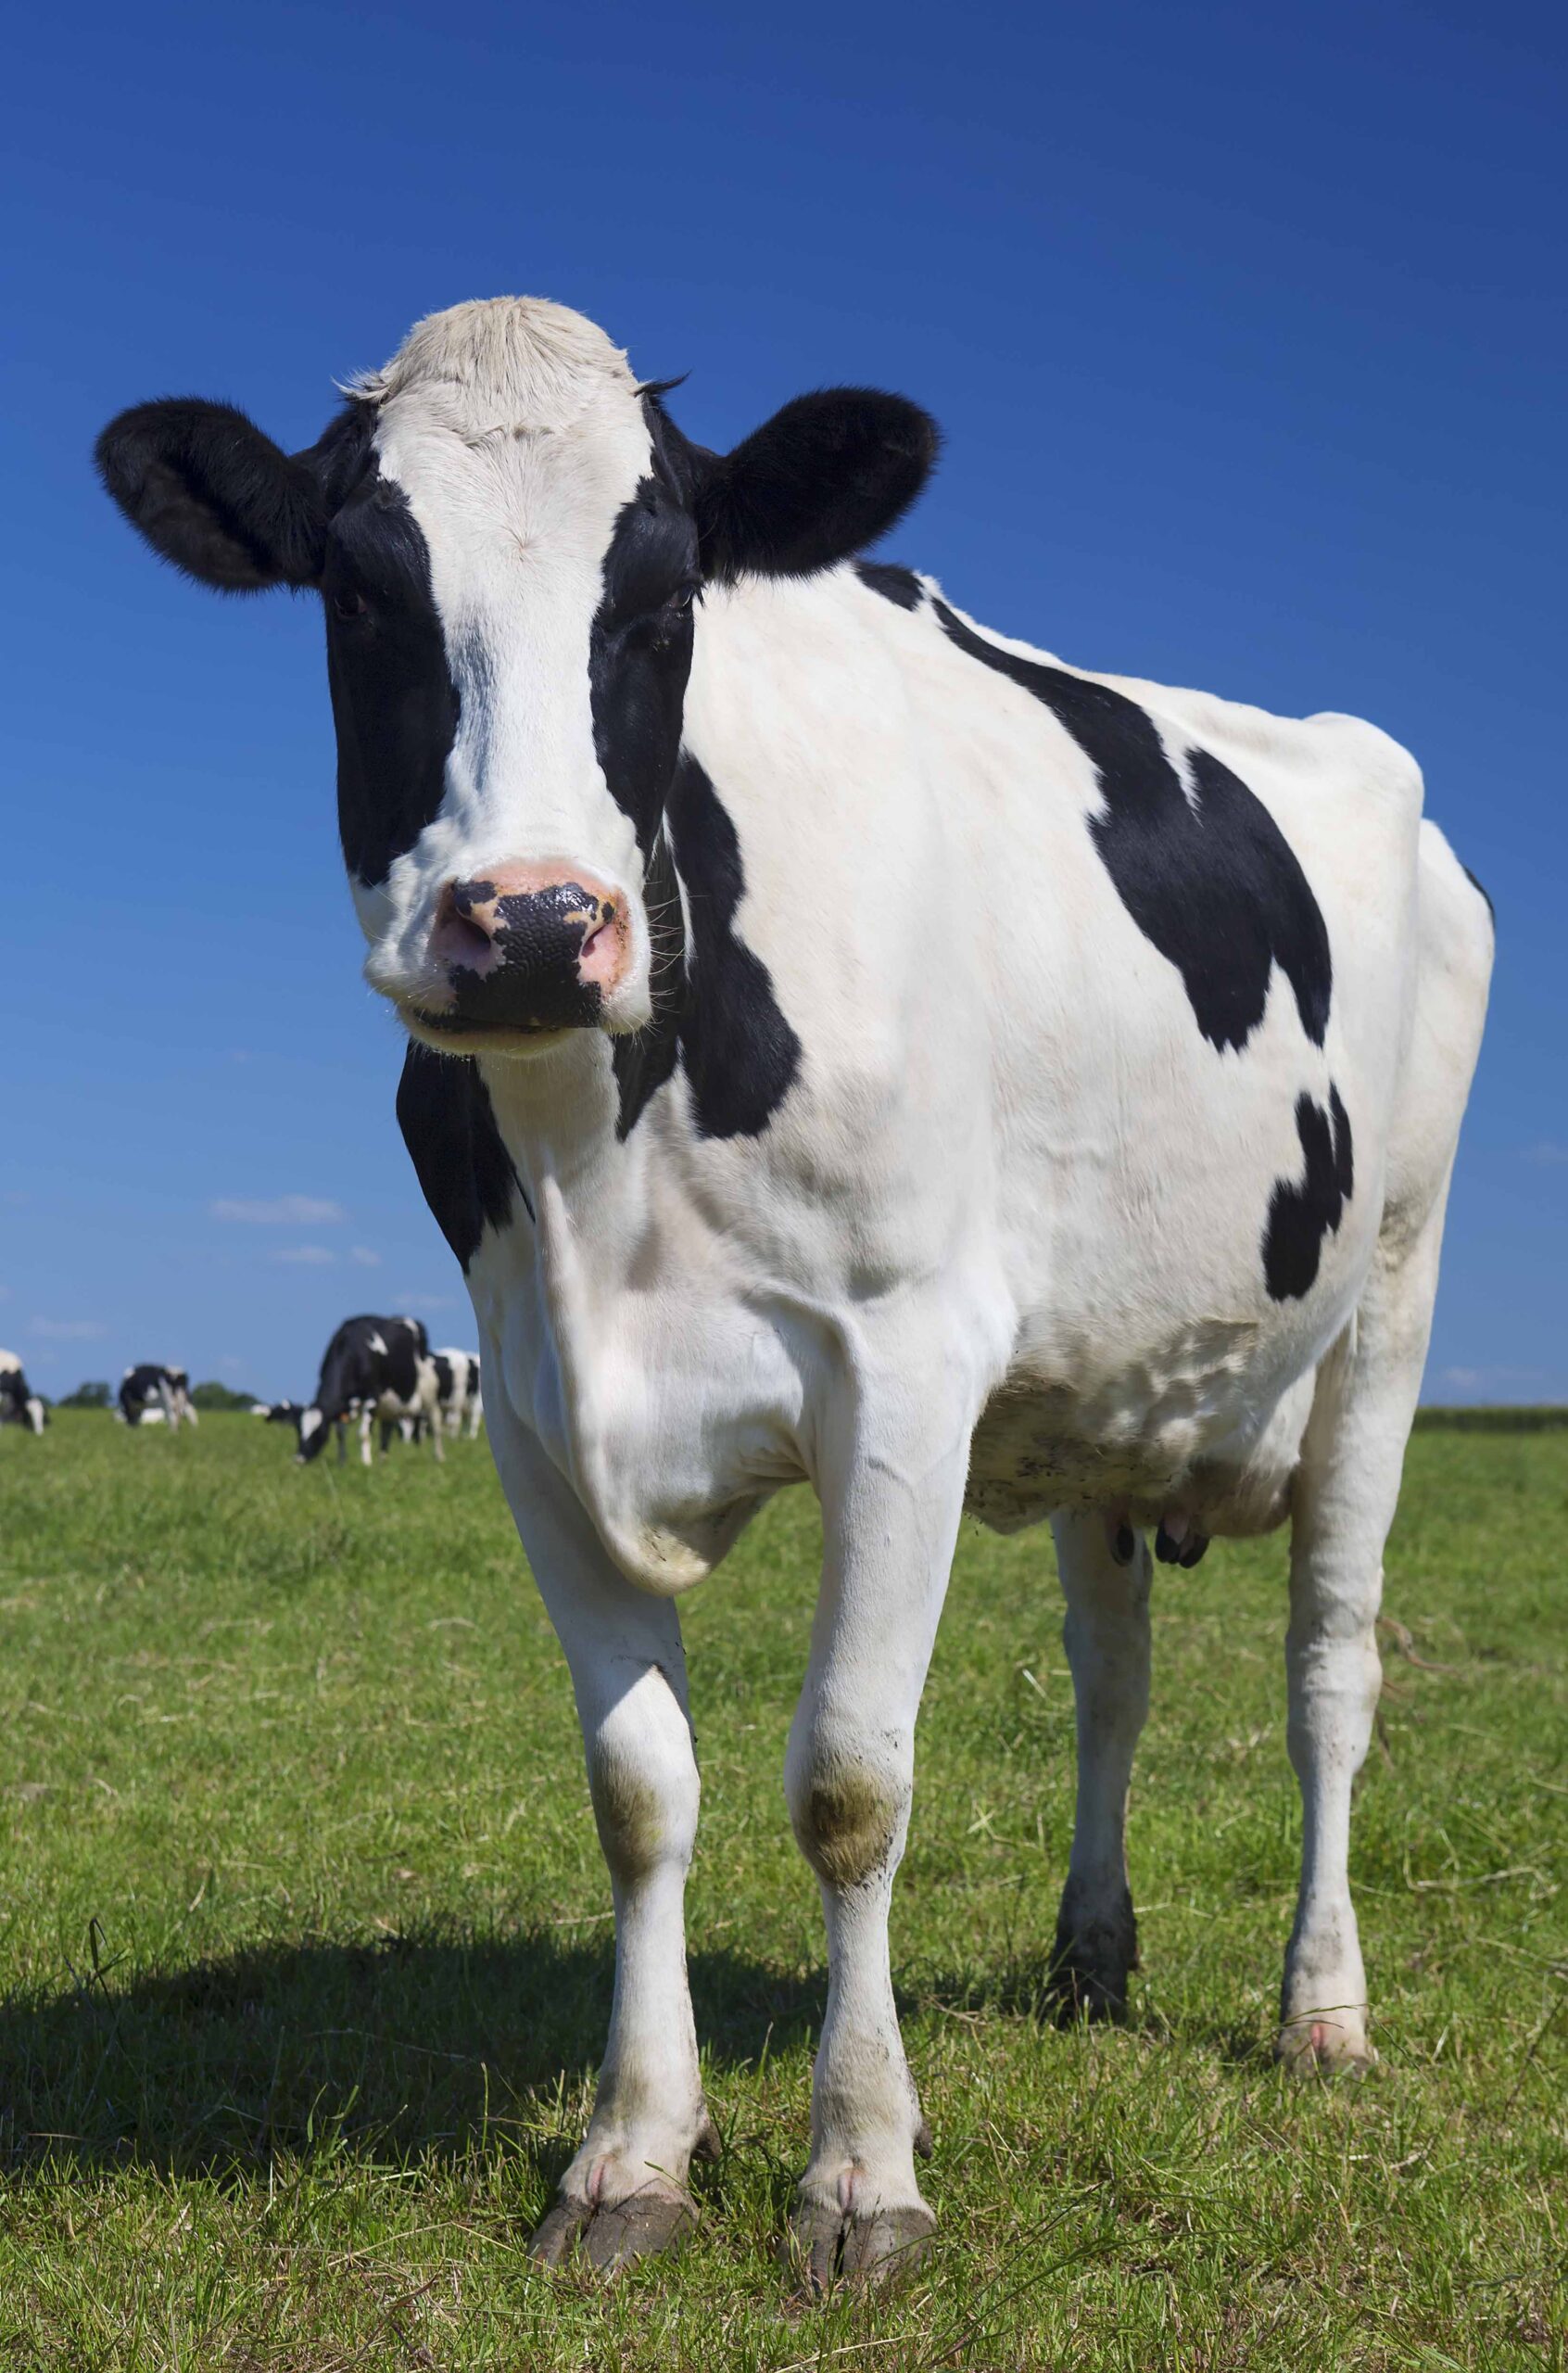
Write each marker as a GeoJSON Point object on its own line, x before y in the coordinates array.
{"type": "Point", "coordinates": [420, 2045]}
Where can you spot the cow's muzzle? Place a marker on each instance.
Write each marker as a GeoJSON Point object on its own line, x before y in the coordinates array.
{"type": "Point", "coordinates": [526, 948]}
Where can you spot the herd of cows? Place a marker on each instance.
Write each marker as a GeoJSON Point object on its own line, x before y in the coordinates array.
{"type": "Point", "coordinates": [376, 1372]}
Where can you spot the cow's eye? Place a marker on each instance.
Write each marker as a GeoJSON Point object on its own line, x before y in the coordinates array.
{"type": "Point", "coordinates": [347, 603]}
{"type": "Point", "coordinates": [680, 601]}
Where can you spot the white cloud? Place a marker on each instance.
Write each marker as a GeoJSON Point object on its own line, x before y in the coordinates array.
{"type": "Point", "coordinates": [284, 1211]}
{"type": "Point", "coordinates": [423, 1301]}
{"type": "Point", "coordinates": [306, 1256]}
{"type": "Point", "coordinates": [68, 1330]}
{"type": "Point", "coordinates": [364, 1256]}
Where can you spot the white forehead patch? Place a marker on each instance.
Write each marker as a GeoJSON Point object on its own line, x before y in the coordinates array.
{"type": "Point", "coordinates": [511, 363]}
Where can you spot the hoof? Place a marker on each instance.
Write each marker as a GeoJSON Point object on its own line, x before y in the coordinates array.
{"type": "Point", "coordinates": [1094, 1956]}
{"type": "Point", "coordinates": [826, 2247]}
{"type": "Point", "coordinates": [649, 2223]}
{"type": "Point", "coordinates": [1327, 2047]}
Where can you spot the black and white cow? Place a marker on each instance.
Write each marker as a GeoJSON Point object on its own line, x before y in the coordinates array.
{"type": "Point", "coordinates": [154, 1395]}
{"type": "Point", "coordinates": [20, 1405]}
{"type": "Point", "coordinates": [852, 1045]}
{"type": "Point", "coordinates": [373, 1369]}
{"type": "Point", "coordinates": [456, 1391]}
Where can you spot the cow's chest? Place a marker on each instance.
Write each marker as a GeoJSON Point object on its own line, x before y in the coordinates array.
{"type": "Point", "coordinates": [671, 1407]}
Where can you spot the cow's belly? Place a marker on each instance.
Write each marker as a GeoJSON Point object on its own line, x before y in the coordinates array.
{"type": "Point", "coordinates": [1037, 1453]}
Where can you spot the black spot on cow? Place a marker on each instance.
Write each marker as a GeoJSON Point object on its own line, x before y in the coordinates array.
{"type": "Point", "coordinates": [1210, 881]}
{"type": "Point", "coordinates": [640, 651]}
{"type": "Point", "coordinates": [394, 699]}
{"type": "Point", "coordinates": [894, 584]}
{"type": "Point", "coordinates": [1301, 1215]}
{"type": "Point", "coordinates": [716, 1010]}
{"type": "Point", "coordinates": [464, 1171]}
{"type": "Point", "coordinates": [739, 1053]}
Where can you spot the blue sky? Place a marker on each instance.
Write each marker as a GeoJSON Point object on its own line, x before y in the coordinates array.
{"type": "Point", "coordinates": [1245, 328]}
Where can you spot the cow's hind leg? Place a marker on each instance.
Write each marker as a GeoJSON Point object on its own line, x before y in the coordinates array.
{"type": "Point", "coordinates": [1345, 1494]}
{"type": "Point", "coordinates": [1107, 1636]}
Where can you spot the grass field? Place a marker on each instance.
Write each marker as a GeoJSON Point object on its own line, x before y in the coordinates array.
{"type": "Point", "coordinates": [304, 1960]}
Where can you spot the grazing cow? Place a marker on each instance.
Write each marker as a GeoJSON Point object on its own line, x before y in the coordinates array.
{"type": "Point", "coordinates": [20, 1405]}
{"type": "Point", "coordinates": [852, 1045]}
{"type": "Point", "coordinates": [372, 1368]}
{"type": "Point", "coordinates": [456, 1391]}
{"type": "Point", "coordinates": [151, 1395]}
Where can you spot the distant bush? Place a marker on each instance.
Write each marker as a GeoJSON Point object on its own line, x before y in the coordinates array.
{"type": "Point", "coordinates": [87, 1396]}
{"type": "Point", "coordinates": [1491, 1421]}
{"type": "Point", "coordinates": [218, 1396]}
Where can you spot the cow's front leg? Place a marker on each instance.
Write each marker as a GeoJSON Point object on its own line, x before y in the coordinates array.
{"type": "Point", "coordinates": [1105, 1577]}
{"type": "Point", "coordinates": [624, 2196]}
{"type": "Point", "coordinates": [889, 1522]}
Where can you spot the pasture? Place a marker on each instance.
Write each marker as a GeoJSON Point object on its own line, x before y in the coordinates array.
{"type": "Point", "coordinates": [305, 1962]}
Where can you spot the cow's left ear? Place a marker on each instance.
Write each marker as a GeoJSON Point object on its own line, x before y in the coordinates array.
{"type": "Point", "coordinates": [821, 479]}
{"type": "Point", "coordinates": [206, 489]}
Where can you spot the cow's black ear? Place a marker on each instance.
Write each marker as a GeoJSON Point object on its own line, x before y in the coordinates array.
{"type": "Point", "coordinates": [214, 495]}
{"type": "Point", "coordinates": [820, 480]}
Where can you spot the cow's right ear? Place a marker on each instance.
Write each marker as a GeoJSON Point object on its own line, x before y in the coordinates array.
{"type": "Point", "coordinates": [214, 496]}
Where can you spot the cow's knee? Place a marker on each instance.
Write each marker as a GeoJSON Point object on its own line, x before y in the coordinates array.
{"type": "Point", "coordinates": [642, 1776]}
{"type": "Point", "coordinates": [848, 1809]}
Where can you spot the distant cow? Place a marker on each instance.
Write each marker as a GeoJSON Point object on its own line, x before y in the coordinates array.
{"type": "Point", "coordinates": [20, 1405]}
{"type": "Point", "coordinates": [151, 1395]}
{"type": "Point", "coordinates": [456, 1391]}
{"type": "Point", "coordinates": [372, 1368]}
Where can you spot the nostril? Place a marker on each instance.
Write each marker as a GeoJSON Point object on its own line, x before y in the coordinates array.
{"type": "Point", "coordinates": [464, 931]}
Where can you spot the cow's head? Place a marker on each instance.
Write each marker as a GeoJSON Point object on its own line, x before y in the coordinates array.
{"type": "Point", "coordinates": [508, 536]}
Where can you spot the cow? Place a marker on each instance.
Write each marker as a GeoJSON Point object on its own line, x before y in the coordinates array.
{"type": "Point", "coordinates": [154, 1395]}
{"type": "Point", "coordinates": [850, 1045]}
{"type": "Point", "coordinates": [456, 1391]}
{"type": "Point", "coordinates": [20, 1405]}
{"type": "Point", "coordinates": [373, 1368]}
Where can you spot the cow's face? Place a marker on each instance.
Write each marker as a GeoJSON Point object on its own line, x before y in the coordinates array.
{"type": "Point", "coordinates": [511, 540]}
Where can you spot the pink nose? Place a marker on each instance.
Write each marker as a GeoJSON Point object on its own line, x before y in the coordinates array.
{"type": "Point", "coordinates": [552, 929]}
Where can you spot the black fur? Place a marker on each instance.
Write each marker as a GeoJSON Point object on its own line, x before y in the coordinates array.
{"type": "Point", "coordinates": [394, 701]}
{"type": "Point", "coordinates": [819, 481]}
{"type": "Point", "coordinates": [1214, 884]}
{"type": "Point", "coordinates": [719, 1015]}
{"type": "Point", "coordinates": [1301, 1215]}
{"type": "Point", "coordinates": [215, 496]}
{"type": "Point", "coordinates": [639, 650]}
{"type": "Point", "coordinates": [464, 1171]}
{"type": "Point", "coordinates": [894, 584]}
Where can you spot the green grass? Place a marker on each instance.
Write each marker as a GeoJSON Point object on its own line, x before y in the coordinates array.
{"type": "Point", "coordinates": [304, 1961]}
